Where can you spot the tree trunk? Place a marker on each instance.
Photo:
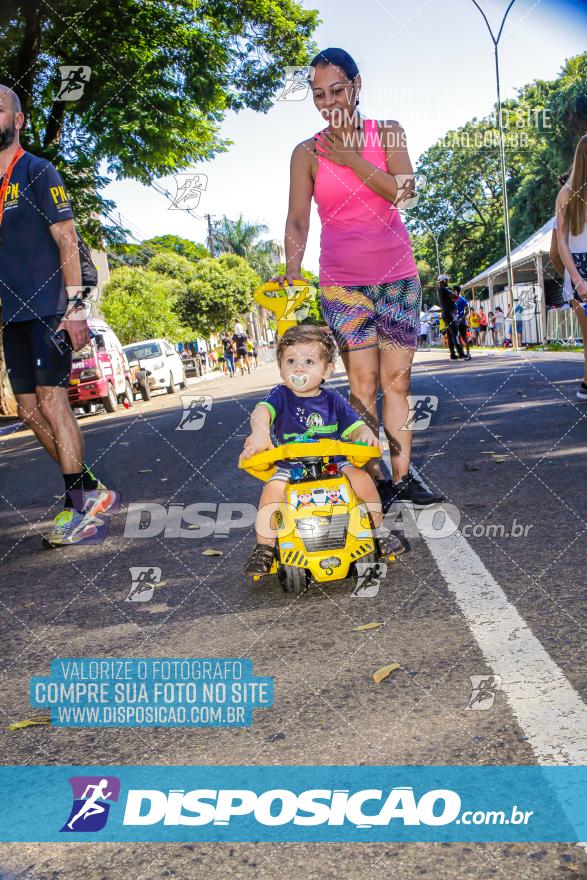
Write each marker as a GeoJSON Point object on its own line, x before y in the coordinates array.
{"type": "Point", "coordinates": [28, 54]}
{"type": "Point", "coordinates": [7, 401]}
{"type": "Point", "coordinates": [54, 123]}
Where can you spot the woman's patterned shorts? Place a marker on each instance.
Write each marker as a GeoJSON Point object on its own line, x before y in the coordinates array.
{"type": "Point", "coordinates": [383, 315]}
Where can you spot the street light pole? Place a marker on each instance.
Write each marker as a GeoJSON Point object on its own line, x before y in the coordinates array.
{"type": "Point", "coordinates": [431, 231]}
{"type": "Point", "coordinates": [506, 217]}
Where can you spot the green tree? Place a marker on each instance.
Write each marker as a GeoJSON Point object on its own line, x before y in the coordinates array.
{"type": "Point", "coordinates": [461, 199]}
{"type": "Point", "coordinates": [241, 238]}
{"type": "Point", "coordinates": [140, 254]}
{"type": "Point", "coordinates": [140, 304]}
{"type": "Point", "coordinates": [220, 292]}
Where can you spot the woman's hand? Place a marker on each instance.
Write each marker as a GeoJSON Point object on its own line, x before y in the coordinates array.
{"type": "Point", "coordinates": [364, 434]}
{"type": "Point", "coordinates": [254, 443]}
{"type": "Point", "coordinates": [288, 278]}
{"type": "Point", "coordinates": [581, 289]}
{"type": "Point", "coordinates": [336, 148]}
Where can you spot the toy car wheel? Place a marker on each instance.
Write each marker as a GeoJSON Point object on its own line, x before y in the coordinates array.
{"type": "Point", "coordinates": [370, 558]}
{"type": "Point", "coordinates": [293, 580]}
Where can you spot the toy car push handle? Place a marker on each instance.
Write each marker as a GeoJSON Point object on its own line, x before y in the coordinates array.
{"type": "Point", "coordinates": [285, 305]}
{"type": "Point", "coordinates": [262, 465]}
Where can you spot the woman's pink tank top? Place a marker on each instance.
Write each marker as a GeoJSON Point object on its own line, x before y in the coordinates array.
{"type": "Point", "coordinates": [363, 239]}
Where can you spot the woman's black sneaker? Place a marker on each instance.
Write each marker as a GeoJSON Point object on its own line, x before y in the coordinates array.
{"type": "Point", "coordinates": [410, 488]}
{"type": "Point", "coordinates": [582, 392]}
{"type": "Point", "coordinates": [385, 490]}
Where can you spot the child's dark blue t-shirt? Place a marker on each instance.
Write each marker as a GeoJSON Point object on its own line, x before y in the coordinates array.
{"type": "Point", "coordinates": [327, 416]}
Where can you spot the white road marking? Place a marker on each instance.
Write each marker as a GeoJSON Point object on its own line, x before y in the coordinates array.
{"type": "Point", "coordinates": [546, 706]}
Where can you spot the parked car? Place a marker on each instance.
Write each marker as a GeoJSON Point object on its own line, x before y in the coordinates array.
{"type": "Point", "coordinates": [161, 363]}
{"type": "Point", "coordinates": [100, 371]}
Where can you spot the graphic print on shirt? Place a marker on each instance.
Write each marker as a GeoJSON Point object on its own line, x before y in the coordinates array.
{"type": "Point", "coordinates": [312, 422]}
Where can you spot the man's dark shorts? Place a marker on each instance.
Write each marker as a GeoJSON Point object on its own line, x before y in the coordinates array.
{"type": "Point", "coordinates": [31, 358]}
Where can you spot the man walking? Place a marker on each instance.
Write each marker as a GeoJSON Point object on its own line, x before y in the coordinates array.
{"type": "Point", "coordinates": [40, 283]}
{"type": "Point", "coordinates": [450, 317]}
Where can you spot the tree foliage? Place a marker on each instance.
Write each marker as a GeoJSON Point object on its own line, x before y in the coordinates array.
{"type": "Point", "coordinates": [163, 75]}
{"type": "Point", "coordinates": [461, 199]}
{"type": "Point", "coordinates": [218, 294]}
{"type": "Point", "coordinates": [140, 304]}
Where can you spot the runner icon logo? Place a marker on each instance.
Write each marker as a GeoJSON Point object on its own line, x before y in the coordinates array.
{"type": "Point", "coordinates": [484, 689]}
{"type": "Point", "coordinates": [297, 83]}
{"type": "Point", "coordinates": [421, 408]}
{"type": "Point", "coordinates": [369, 577]}
{"type": "Point", "coordinates": [144, 580]}
{"type": "Point", "coordinates": [74, 79]}
{"type": "Point", "coordinates": [195, 410]}
{"type": "Point", "coordinates": [90, 808]}
{"type": "Point", "coordinates": [189, 190]}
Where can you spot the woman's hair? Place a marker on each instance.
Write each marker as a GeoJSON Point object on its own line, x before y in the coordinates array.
{"type": "Point", "coordinates": [575, 212]}
{"type": "Point", "coordinates": [338, 57]}
{"type": "Point", "coordinates": [307, 333]}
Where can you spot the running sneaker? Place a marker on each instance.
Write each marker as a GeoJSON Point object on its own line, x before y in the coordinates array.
{"type": "Point", "coordinates": [100, 501]}
{"type": "Point", "coordinates": [71, 527]}
{"type": "Point", "coordinates": [582, 392]}
{"type": "Point", "coordinates": [411, 488]}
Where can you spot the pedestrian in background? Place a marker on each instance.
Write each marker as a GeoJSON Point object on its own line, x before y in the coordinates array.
{"type": "Point", "coordinates": [499, 325]}
{"type": "Point", "coordinates": [482, 325]}
{"type": "Point", "coordinates": [449, 314]}
{"type": "Point", "coordinates": [462, 307]}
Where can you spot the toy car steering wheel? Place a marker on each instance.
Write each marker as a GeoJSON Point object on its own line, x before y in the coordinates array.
{"type": "Point", "coordinates": [262, 465]}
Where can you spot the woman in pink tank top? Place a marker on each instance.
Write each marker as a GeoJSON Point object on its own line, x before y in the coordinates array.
{"type": "Point", "coordinates": [359, 171]}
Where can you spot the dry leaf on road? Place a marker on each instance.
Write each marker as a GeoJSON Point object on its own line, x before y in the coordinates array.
{"type": "Point", "coordinates": [382, 673]}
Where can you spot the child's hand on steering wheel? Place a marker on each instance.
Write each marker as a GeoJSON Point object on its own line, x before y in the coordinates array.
{"type": "Point", "coordinates": [255, 443]}
{"type": "Point", "coordinates": [364, 434]}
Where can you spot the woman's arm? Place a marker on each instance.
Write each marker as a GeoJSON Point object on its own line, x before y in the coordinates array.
{"type": "Point", "coordinates": [564, 250]}
{"type": "Point", "coordinates": [554, 254]}
{"type": "Point", "coordinates": [301, 187]}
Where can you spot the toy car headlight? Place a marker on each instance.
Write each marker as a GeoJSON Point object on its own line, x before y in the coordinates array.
{"type": "Point", "coordinates": [331, 468]}
{"type": "Point", "coordinates": [297, 472]}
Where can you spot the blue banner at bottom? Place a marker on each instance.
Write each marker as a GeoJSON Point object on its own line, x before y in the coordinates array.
{"type": "Point", "coordinates": [290, 804]}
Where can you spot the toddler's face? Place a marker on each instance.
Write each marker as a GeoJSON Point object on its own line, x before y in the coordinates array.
{"type": "Point", "coordinates": [303, 369]}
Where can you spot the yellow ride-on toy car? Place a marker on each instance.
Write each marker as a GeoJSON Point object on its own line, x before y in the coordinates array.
{"type": "Point", "coordinates": [323, 528]}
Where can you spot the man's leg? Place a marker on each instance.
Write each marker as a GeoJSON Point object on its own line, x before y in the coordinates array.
{"type": "Point", "coordinates": [56, 411]}
{"type": "Point", "coordinates": [30, 413]}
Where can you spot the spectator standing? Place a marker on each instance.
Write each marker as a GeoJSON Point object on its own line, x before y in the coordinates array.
{"type": "Point", "coordinates": [499, 325]}
{"type": "Point", "coordinates": [450, 317]}
{"type": "Point", "coordinates": [424, 329]}
{"type": "Point", "coordinates": [462, 307]}
{"type": "Point", "coordinates": [482, 325]}
{"type": "Point", "coordinates": [474, 325]}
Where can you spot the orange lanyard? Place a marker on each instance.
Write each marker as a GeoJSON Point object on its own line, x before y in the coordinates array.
{"type": "Point", "coordinates": [6, 181]}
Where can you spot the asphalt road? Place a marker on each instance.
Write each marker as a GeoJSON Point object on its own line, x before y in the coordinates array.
{"type": "Point", "coordinates": [506, 445]}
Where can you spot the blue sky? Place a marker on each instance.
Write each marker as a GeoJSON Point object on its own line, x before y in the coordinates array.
{"type": "Point", "coordinates": [427, 63]}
